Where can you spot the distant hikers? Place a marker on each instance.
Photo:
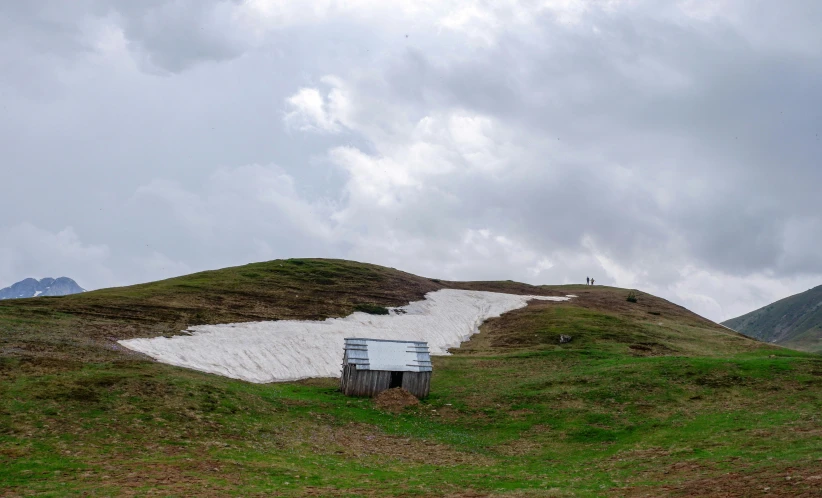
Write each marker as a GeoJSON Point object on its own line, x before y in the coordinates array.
{"type": "Point", "coordinates": [592, 281]}
{"type": "Point", "coordinates": [587, 280]}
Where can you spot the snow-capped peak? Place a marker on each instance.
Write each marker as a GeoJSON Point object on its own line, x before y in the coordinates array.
{"type": "Point", "coordinates": [30, 287]}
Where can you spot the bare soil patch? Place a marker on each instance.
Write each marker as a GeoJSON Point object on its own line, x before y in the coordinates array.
{"type": "Point", "coordinates": [355, 440]}
{"type": "Point", "coordinates": [395, 400]}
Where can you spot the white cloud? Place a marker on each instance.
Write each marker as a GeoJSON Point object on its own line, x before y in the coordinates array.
{"type": "Point", "coordinates": [29, 251]}
{"type": "Point", "coordinates": [237, 215]}
{"type": "Point", "coordinates": [188, 208]}
{"type": "Point", "coordinates": [157, 266]}
{"type": "Point", "coordinates": [309, 112]}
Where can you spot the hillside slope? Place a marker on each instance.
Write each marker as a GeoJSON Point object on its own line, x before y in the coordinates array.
{"type": "Point", "coordinates": [647, 399]}
{"type": "Point", "coordinates": [276, 290]}
{"type": "Point", "coordinates": [795, 321]}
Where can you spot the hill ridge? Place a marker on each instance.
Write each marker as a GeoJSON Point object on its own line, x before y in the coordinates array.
{"type": "Point", "coordinates": [308, 289]}
{"type": "Point", "coordinates": [794, 321]}
{"type": "Point", "coordinates": [646, 399]}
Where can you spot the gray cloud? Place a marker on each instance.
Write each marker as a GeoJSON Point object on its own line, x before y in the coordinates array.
{"type": "Point", "coordinates": [651, 145]}
{"type": "Point", "coordinates": [178, 34]}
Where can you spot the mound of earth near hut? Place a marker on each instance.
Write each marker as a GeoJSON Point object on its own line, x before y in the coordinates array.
{"type": "Point", "coordinates": [648, 399]}
{"type": "Point", "coordinates": [395, 400]}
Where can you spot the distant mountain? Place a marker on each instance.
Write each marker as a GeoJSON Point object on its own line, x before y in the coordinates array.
{"type": "Point", "coordinates": [30, 287]}
{"type": "Point", "coordinates": [795, 321]}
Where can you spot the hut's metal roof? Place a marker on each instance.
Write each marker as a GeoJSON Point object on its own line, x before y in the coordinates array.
{"type": "Point", "coordinates": [381, 354]}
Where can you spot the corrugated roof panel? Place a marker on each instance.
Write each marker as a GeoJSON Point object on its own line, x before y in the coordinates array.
{"type": "Point", "coordinates": [381, 354]}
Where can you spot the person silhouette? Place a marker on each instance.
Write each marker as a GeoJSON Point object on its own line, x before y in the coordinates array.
{"type": "Point", "coordinates": [587, 280]}
{"type": "Point", "coordinates": [592, 281]}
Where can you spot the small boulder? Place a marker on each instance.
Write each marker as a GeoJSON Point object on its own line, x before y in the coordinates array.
{"type": "Point", "coordinates": [564, 339]}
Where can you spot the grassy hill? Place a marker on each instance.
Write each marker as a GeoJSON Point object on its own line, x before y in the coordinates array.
{"type": "Point", "coordinates": [794, 322]}
{"type": "Point", "coordinates": [648, 399]}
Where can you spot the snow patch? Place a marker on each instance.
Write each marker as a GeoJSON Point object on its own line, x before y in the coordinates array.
{"type": "Point", "coordinates": [37, 293]}
{"type": "Point", "coordinates": [294, 349]}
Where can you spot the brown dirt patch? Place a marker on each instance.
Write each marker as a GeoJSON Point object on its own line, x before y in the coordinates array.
{"type": "Point", "coordinates": [650, 349]}
{"type": "Point", "coordinates": [189, 477]}
{"type": "Point", "coordinates": [182, 477]}
{"type": "Point", "coordinates": [791, 481]}
{"type": "Point", "coordinates": [395, 400]}
{"type": "Point", "coordinates": [356, 440]}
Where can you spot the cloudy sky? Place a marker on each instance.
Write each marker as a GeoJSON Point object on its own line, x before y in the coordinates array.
{"type": "Point", "coordinates": [670, 146]}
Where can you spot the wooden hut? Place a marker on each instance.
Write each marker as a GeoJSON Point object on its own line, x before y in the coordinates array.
{"type": "Point", "coordinates": [371, 366]}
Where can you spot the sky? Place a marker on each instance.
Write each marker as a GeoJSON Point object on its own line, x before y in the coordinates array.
{"type": "Point", "coordinates": [669, 146]}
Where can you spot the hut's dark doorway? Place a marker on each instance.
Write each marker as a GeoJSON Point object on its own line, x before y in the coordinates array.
{"type": "Point", "coordinates": [396, 380]}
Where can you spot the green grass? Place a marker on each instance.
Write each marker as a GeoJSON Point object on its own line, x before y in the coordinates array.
{"type": "Point", "coordinates": [636, 403]}
{"type": "Point", "coordinates": [274, 289]}
{"type": "Point", "coordinates": [311, 289]}
{"type": "Point", "coordinates": [576, 423]}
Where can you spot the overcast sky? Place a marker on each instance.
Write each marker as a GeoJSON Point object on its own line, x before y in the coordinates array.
{"type": "Point", "coordinates": [670, 146]}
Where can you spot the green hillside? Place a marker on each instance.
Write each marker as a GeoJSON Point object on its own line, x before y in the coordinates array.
{"type": "Point", "coordinates": [794, 322]}
{"type": "Point", "coordinates": [648, 399]}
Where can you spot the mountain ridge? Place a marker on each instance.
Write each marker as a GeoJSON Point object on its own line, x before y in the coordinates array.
{"type": "Point", "coordinates": [795, 321]}
{"type": "Point", "coordinates": [31, 287]}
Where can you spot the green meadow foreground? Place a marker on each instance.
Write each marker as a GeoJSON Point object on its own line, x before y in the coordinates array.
{"type": "Point", "coordinates": [648, 399]}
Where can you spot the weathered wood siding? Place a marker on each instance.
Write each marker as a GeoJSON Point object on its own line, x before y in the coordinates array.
{"type": "Point", "coordinates": [355, 382]}
{"type": "Point", "coordinates": [363, 382]}
{"type": "Point", "coordinates": [417, 383]}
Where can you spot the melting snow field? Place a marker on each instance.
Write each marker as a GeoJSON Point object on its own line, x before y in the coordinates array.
{"type": "Point", "coordinates": [293, 349]}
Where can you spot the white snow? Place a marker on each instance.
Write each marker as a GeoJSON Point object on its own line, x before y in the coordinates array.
{"type": "Point", "coordinates": [293, 349]}
{"type": "Point", "coordinates": [37, 293]}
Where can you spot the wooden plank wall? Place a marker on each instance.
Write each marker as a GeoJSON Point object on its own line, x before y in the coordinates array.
{"type": "Point", "coordinates": [355, 382]}
{"type": "Point", "coordinates": [417, 383]}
